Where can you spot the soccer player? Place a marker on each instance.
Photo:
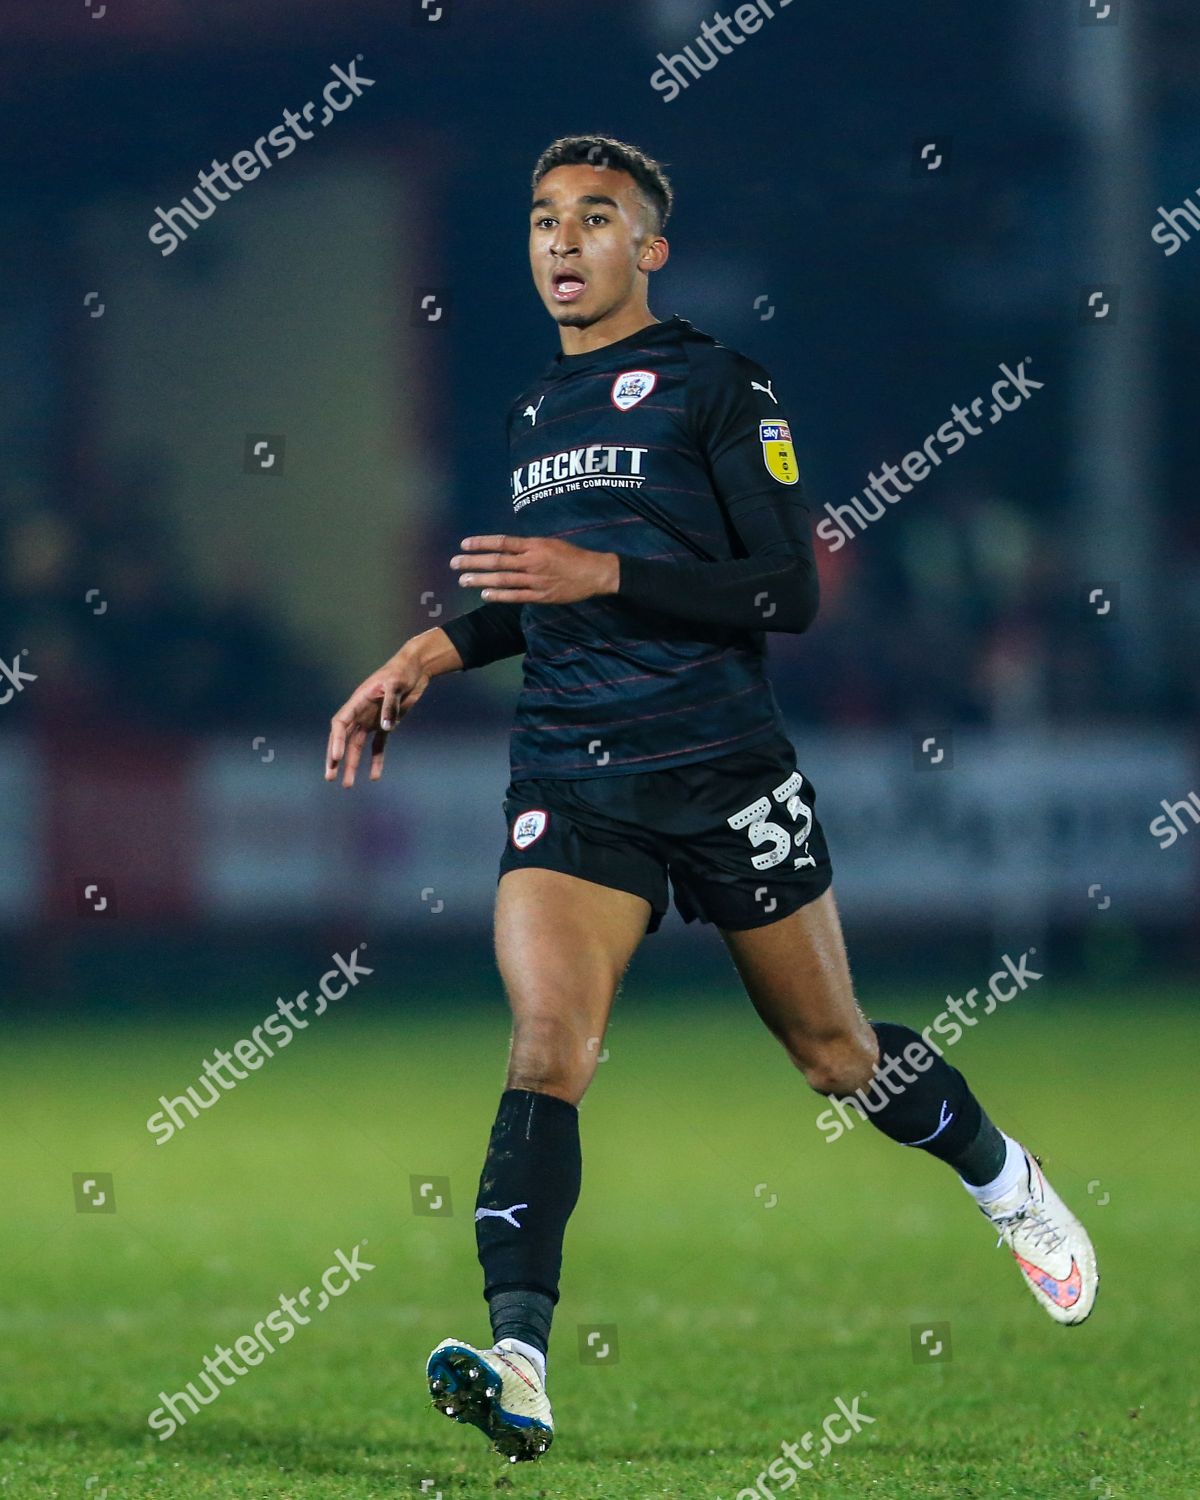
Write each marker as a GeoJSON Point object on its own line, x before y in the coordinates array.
{"type": "Point", "coordinates": [657, 532]}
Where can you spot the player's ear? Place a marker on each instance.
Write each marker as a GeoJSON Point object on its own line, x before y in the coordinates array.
{"type": "Point", "coordinates": [654, 255]}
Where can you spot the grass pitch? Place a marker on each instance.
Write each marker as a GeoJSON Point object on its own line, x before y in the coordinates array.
{"type": "Point", "coordinates": [743, 1272]}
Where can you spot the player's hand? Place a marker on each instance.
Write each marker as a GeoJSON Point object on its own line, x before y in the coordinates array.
{"type": "Point", "coordinates": [534, 570]}
{"type": "Point", "coordinates": [375, 707]}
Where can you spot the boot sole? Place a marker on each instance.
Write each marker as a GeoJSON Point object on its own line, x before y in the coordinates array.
{"type": "Point", "coordinates": [459, 1382]}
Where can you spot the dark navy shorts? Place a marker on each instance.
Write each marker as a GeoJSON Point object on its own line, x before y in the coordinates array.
{"type": "Point", "coordinates": [737, 837]}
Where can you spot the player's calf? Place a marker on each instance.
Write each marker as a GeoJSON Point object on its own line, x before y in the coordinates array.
{"type": "Point", "coordinates": [917, 1099]}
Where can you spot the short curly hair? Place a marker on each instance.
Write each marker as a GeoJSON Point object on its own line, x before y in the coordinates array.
{"type": "Point", "coordinates": [604, 151]}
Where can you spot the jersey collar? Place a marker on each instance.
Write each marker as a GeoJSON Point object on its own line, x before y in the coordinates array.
{"type": "Point", "coordinates": [615, 353]}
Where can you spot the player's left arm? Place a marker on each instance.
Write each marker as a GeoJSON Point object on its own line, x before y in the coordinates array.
{"type": "Point", "coordinates": [738, 424]}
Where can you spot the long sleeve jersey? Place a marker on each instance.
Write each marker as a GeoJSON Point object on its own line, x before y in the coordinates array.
{"type": "Point", "coordinates": [671, 450]}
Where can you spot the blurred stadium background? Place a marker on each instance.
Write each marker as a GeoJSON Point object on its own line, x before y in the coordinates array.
{"type": "Point", "coordinates": [188, 617]}
{"type": "Point", "coordinates": [192, 620]}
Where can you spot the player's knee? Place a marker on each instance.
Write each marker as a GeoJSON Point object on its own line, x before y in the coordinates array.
{"type": "Point", "coordinates": [835, 1063]}
{"type": "Point", "coordinates": [549, 1057]}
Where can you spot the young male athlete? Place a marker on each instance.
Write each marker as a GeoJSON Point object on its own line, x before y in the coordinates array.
{"type": "Point", "coordinates": [657, 532]}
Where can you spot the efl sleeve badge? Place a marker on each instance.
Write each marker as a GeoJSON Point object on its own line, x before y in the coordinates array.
{"type": "Point", "coordinates": [778, 453]}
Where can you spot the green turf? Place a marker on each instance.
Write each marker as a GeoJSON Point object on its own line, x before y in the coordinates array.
{"type": "Point", "coordinates": [738, 1324]}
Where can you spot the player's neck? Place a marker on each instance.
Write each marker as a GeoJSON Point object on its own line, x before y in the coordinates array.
{"type": "Point", "coordinates": [608, 330]}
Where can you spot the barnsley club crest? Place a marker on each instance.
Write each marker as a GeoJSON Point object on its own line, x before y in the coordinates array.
{"type": "Point", "coordinates": [631, 387]}
{"type": "Point", "coordinates": [528, 827]}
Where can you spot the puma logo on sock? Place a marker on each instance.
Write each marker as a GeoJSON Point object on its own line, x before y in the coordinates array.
{"type": "Point", "coordinates": [500, 1213]}
{"type": "Point", "coordinates": [944, 1118]}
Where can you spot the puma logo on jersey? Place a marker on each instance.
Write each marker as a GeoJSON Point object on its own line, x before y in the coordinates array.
{"type": "Point", "coordinates": [754, 386]}
{"type": "Point", "coordinates": [500, 1213]}
{"type": "Point", "coordinates": [532, 411]}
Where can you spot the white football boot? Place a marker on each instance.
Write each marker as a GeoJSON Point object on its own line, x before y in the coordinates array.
{"type": "Point", "coordinates": [497, 1390]}
{"type": "Point", "coordinates": [1049, 1244]}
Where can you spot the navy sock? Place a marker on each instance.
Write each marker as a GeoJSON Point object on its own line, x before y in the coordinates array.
{"type": "Point", "coordinates": [983, 1160]}
{"type": "Point", "coordinates": [521, 1313]}
{"type": "Point", "coordinates": [918, 1099]}
{"type": "Point", "coordinates": [527, 1190]}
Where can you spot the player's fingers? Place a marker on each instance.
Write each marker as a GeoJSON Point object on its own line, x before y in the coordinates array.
{"type": "Point", "coordinates": [515, 596]}
{"type": "Point", "coordinates": [408, 698]}
{"type": "Point", "coordinates": [495, 580]}
{"type": "Point", "coordinates": [388, 705]}
{"type": "Point", "coordinates": [336, 746]}
{"type": "Point", "coordinates": [492, 551]}
{"type": "Point", "coordinates": [378, 746]}
{"type": "Point", "coordinates": [341, 726]}
{"type": "Point", "coordinates": [494, 543]}
{"type": "Point", "coordinates": [354, 749]}
{"type": "Point", "coordinates": [475, 562]}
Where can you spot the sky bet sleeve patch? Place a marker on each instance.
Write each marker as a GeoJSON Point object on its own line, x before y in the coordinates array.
{"type": "Point", "coordinates": [778, 453]}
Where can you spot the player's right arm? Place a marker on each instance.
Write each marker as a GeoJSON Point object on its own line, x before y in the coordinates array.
{"type": "Point", "coordinates": [380, 701]}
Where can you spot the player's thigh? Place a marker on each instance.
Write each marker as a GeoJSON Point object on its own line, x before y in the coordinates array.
{"type": "Point", "coordinates": [562, 945]}
{"type": "Point", "coordinates": [797, 976]}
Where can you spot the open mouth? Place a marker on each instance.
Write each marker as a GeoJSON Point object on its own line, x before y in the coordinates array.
{"type": "Point", "coordinates": [566, 286]}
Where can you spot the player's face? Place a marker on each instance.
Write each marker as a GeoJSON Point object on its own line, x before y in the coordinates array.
{"type": "Point", "coordinates": [591, 244]}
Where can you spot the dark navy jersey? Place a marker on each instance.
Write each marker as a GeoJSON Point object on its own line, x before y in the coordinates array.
{"type": "Point", "coordinates": [673, 451]}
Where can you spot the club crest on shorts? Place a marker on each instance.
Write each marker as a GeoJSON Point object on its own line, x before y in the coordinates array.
{"type": "Point", "coordinates": [632, 386]}
{"type": "Point", "coordinates": [778, 453]}
{"type": "Point", "coordinates": [528, 827]}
